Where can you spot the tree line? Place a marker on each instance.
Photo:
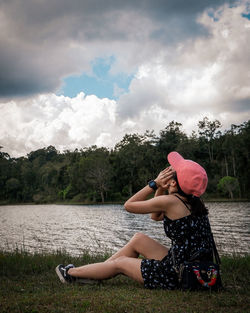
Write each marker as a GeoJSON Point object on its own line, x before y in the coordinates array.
{"type": "Point", "coordinates": [94, 174]}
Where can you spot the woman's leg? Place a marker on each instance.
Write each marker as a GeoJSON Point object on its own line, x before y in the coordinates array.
{"type": "Point", "coordinates": [125, 261]}
{"type": "Point", "coordinates": [141, 244]}
{"type": "Point", "coordinates": [130, 267]}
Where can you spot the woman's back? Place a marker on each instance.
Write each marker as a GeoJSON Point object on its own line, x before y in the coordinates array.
{"type": "Point", "coordinates": [189, 234]}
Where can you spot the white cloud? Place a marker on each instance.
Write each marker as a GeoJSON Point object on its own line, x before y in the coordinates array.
{"type": "Point", "coordinates": [207, 77]}
{"type": "Point", "coordinates": [43, 42]}
{"type": "Point", "coordinates": [193, 78]}
{"type": "Point", "coordinates": [56, 120]}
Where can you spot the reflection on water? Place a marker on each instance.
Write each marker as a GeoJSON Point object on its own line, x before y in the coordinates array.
{"type": "Point", "coordinates": [99, 228]}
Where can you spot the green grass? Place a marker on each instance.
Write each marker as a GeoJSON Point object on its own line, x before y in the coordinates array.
{"type": "Point", "coordinates": [28, 283]}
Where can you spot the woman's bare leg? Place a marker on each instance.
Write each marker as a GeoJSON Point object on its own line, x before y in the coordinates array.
{"type": "Point", "coordinates": [125, 261]}
{"type": "Point", "coordinates": [130, 267]}
{"type": "Point", "coordinates": [141, 244]}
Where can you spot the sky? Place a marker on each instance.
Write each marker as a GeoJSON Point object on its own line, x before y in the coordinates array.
{"type": "Point", "coordinates": [86, 72]}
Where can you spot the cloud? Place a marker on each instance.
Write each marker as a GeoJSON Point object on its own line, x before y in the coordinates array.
{"type": "Point", "coordinates": [202, 71]}
{"type": "Point", "coordinates": [147, 89]}
{"type": "Point", "coordinates": [43, 42]}
{"type": "Point", "coordinates": [211, 74]}
{"type": "Point", "coordinates": [66, 123]}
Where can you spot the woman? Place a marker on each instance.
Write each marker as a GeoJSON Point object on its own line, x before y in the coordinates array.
{"type": "Point", "coordinates": [185, 223]}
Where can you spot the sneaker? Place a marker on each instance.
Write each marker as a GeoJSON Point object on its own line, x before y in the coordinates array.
{"type": "Point", "coordinates": [62, 272]}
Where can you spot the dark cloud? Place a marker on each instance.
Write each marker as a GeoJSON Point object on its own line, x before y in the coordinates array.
{"type": "Point", "coordinates": [241, 105]}
{"type": "Point", "coordinates": [38, 39]}
{"type": "Point", "coordinates": [44, 11]}
{"type": "Point", "coordinates": [19, 78]}
{"type": "Point", "coordinates": [187, 63]}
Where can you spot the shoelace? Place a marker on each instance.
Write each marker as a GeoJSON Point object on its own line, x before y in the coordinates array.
{"type": "Point", "coordinates": [65, 272]}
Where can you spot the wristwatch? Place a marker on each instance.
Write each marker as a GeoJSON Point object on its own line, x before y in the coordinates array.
{"type": "Point", "coordinates": [152, 184]}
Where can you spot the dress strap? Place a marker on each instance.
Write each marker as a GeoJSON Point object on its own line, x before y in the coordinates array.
{"type": "Point", "coordinates": [183, 202]}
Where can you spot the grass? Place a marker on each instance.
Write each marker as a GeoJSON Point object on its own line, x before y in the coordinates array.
{"type": "Point", "coordinates": [28, 283]}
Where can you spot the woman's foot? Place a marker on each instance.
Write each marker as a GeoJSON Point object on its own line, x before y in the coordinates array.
{"type": "Point", "coordinates": [62, 272]}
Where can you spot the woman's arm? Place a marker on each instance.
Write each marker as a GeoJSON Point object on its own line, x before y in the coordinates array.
{"type": "Point", "coordinates": [158, 216]}
{"type": "Point", "coordinates": [138, 203]}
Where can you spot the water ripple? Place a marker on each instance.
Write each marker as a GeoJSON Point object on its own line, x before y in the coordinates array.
{"type": "Point", "coordinates": [96, 228]}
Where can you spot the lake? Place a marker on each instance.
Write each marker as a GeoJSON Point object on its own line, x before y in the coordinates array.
{"type": "Point", "coordinates": [106, 228]}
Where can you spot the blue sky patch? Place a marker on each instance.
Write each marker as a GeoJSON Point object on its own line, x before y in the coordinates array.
{"type": "Point", "coordinates": [246, 16]}
{"type": "Point", "coordinates": [101, 83]}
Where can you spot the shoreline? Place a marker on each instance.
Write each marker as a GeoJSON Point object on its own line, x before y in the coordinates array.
{"type": "Point", "coordinates": [5, 203]}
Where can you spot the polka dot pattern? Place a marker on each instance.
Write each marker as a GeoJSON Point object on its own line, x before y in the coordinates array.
{"type": "Point", "coordinates": [188, 234]}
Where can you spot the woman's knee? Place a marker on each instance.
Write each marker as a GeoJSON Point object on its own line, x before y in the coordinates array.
{"type": "Point", "coordinates": [119, 263]}
{"type": "Point", "coordinates": [139, 240]}
{"type": "Point", "coordinates": [128, 266]}
{"type": "Point", "coordinates": [139, 237]}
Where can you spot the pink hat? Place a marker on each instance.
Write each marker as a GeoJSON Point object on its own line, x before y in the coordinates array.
{"type": "Point", "coordinates": [192, 178]}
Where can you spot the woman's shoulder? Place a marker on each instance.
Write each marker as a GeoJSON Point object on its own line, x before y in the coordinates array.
{"type": "Point", "coordinates": [169, 200]}
{"type": "Point", "coordinates": [176, 198]}
{"type": "Point", "coordinates": [177, 208]}
{"type": "Point", "coordinates": [172, 200]}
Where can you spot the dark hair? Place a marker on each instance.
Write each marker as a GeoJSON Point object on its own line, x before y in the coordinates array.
{"type": "Point", "coordinates": [197, 205]}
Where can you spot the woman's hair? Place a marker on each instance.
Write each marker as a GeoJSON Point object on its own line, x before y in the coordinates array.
{"type": "Point", "coordinates": [197, 205]}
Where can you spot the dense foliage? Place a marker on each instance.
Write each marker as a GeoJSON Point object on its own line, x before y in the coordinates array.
{"type": "Point", "coordinates": [98, 174]}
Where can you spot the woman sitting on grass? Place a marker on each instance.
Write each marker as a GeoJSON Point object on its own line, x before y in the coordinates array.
{"type": "Point", "coordinates": [185, 223]}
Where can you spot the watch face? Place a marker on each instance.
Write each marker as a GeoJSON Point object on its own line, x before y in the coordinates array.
{"type": "Point", "coordinates": [152, 185]}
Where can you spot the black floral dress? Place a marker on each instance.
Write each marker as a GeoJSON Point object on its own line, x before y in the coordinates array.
{"type": "Point", "coordinates": [188, 234]}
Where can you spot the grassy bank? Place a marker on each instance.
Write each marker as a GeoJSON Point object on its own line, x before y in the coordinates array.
{"type": "Point", "coordinates": [28, 283]}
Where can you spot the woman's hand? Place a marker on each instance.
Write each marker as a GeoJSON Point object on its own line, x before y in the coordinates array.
{"type": "Point", "coordinates": [164, 177]}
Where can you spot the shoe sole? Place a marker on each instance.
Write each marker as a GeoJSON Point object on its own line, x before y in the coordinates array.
{"type": "Point", "coordinates": [60, 275]}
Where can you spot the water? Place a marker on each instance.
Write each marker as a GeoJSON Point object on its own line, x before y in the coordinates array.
{"type": "Point", "coordinates": [102, 228]}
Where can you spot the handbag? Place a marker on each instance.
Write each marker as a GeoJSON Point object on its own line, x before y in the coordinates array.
{"type": "Point", "coordinates": [200, 273]}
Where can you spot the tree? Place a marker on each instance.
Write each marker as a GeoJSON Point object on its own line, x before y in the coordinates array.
{"type": "Point", "coordinates": [4, 155]}
{"type": "Point", "coordinates": [97, 174]}
{"type": "Point", "coordinates": [208, 132]}
{"type": "Point", "coordinates": [28, 179]}
{"type": "Point", "coordinates": [228, 185]}
{"type": "Point", "coordinates": [12, 186]}
{"type": "Point", "coordinates": [170, 138]}
{"type": "Point", "coordinates": [243, 157]}
{"type": "Point", "coordinates": [63, 193]}
{"type": "Point", "coordinates": [95, 170]}
{"type": "Point", "coordinates": [5, 172]}
{"type": "Point", "coordinates": [127, 162]}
